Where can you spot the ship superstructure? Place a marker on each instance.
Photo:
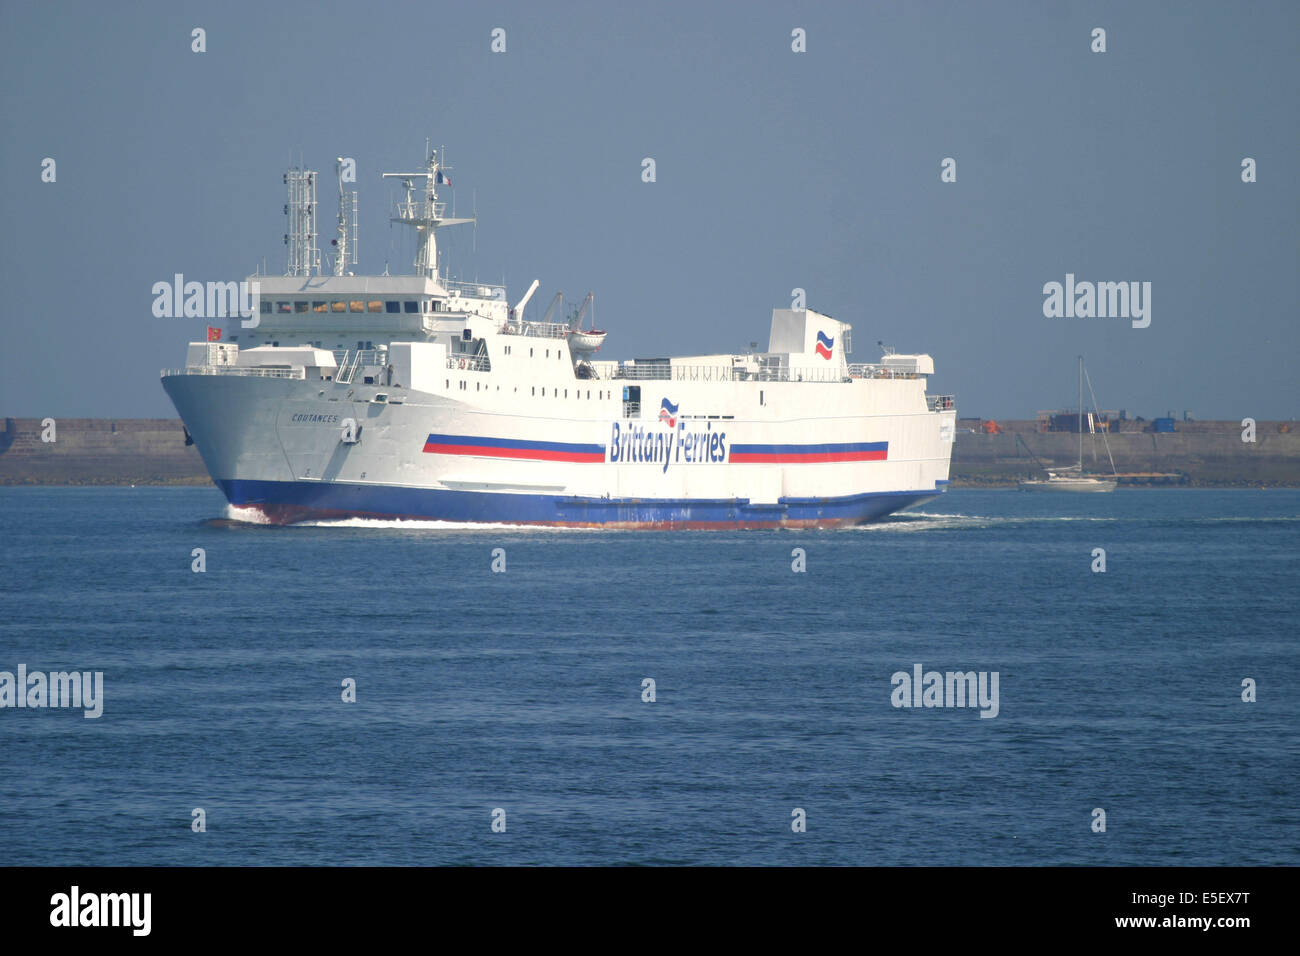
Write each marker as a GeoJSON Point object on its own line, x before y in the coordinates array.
{"type": "Point", "coordinates": [417, 396]}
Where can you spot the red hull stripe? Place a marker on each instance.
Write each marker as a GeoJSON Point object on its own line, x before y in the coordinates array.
{"type": "Point", "coordinates": [801, 454]}
{"type": "Point", "coordinates": [741, 458]}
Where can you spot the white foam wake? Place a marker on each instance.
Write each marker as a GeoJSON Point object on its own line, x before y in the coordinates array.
{"type": "Point", "coordinates": [247, 514]}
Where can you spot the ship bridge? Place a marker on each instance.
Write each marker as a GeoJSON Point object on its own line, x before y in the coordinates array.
{"type": "Point", "coordinates": [339, 309]}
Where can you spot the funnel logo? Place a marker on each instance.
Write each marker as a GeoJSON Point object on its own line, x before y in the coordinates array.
{"type": "Point", "coordinates": [825, 345]}
{"type": "Point", "coordinates": [668, 413]}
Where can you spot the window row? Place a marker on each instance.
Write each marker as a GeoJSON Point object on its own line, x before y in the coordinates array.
{"type": "Point", "coordinates": [578, 393]}
{"type": "Point", "coordinates": [390, 306]}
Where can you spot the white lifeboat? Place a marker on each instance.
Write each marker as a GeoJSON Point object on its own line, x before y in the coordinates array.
{"type": "Point", "coordinates": [586, 340]}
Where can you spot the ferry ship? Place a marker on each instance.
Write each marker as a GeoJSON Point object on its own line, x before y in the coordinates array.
{"type": "Point", "coordinates": [423, 397]}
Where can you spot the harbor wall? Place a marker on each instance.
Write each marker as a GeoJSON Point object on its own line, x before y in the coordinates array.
{"type": "Point", "coordinates": [98, 451]}
{"type": "Point", "coordinates": [153, 451]}
{"type": "Point", "coordinates": [1197, 453]}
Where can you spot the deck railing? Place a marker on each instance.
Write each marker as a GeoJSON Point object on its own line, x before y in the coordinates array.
{"type": "Point", "coordinates": [719, 373]}
{"type": "Point", "coordinates": [543, 330]}
{"type": "Point", "coordinates": [258, 372]}
{"type": "Point", "coordinates": [878, 371]}
{"type": "Point", "coordinates": [479, 290]}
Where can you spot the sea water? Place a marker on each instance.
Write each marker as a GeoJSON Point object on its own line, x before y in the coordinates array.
{"type": "Point", "coordinates": [519, 696]}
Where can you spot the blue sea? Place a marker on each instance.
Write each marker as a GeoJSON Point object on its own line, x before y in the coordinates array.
{"type": "Point", "coordinates": [522, 691]}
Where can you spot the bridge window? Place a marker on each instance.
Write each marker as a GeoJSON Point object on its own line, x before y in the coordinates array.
{"type": "Point", "coordinates": [319, 306]}
{"type": "Point", "coordinates": [411, 305]}
{"type": "Point", "coordinates": [266, 308]}
{"type": "Point", "coordinates": [339, 306]}
{"type": "Point", "coordinates": [300, 306]}
{"type": "Point", "coordinates": [375, 305]}
{"type": "Point", "coordinates": [283, 307]}
{"type": "Point", "coordinates": [356, 305]}
{"type": "Point", "coordinates": [392, 306]}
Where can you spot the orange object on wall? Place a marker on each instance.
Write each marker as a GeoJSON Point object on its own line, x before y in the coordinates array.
{"type": "Point", "coordinates": [992, 428]}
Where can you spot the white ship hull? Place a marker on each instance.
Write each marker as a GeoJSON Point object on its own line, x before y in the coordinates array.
{"type": "Point", "coordinates": [273, 445]}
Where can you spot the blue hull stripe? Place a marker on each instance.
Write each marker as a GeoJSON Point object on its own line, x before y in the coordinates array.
{"type": "Point", "coordinates": [516, 443]}
{"type": "Point", "coordinates": [289, 501]}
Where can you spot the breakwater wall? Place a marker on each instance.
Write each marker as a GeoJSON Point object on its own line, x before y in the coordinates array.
{"type": "Point", "coordinates": [1197, 453]}
{"type": "Point", "coordinates": [98, 451]}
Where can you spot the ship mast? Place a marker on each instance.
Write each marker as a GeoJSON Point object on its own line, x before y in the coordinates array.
{"type": "Point", "coordinates": [347, 240]}
{"type": "Point", "coordinates": [1080, 425]}
{"type": "Point", "coordinates": [300, 211]}
{"type": "Point", "coordinates": [425, 215]}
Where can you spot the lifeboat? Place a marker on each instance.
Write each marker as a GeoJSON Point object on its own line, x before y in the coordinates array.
{"type": "Point", "coordinates": [586, 340]}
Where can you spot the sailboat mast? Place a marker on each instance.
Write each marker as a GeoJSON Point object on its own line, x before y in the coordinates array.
{"type": "Point", "coordinates": [1080, 426]}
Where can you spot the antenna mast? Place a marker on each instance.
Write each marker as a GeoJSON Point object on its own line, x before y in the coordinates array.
{"type": "Point", "coordinates": [426, 215]}
{"type": "Point", "coordinates": [347, 240]}
{"type": "Point", "coordinates": [300, 211]}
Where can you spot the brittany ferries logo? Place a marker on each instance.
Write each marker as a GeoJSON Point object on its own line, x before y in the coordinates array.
{"type": "Point", "coordinates": [668, 413]}
{"type": "Point", "coordinates": [825, 345]}
{"type": "Point", "coordinates": [631, 443]}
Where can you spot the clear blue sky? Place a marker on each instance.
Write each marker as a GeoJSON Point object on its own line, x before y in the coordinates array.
{"type": "Point", "coordinates": [775, 169]}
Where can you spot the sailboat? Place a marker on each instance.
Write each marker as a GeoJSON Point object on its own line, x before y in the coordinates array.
{"type": "Point", "coordinates": [1071, 477]}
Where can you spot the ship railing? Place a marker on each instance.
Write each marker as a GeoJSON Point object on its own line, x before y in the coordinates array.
{"type": "Point", "coordinates": [720, 373]}
{"type": "Point", "coordinates": [477, 290]}
{"type": "Point", "coordinates": [362, 357]}
{"type": "Point", "coordinates": [878, 371]}
{"type": "Point", "coordinates": [785, 374]}
{"type": "Point", "coordinates": [470, 363]}
{"type": "Point", "coordinates": [350, 361]}
{"type": "Point", "coordinates": [941, 403]}
{"type": "Point", "coordinates": [544, 330]}
{"type": "Point", "coordinates": [256, 371]}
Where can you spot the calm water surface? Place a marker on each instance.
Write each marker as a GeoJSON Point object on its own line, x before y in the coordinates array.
{"type": "Point", "coordinates": [522, 690]}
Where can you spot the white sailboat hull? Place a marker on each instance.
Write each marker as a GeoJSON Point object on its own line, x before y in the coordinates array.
{"type": "Point", "coordinates": [1070, 484]}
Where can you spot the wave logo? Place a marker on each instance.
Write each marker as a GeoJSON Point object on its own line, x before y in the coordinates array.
{"type": "Point", "coordinates": [825, 345]}
{"type": "Point", "coordinates": [668, 413]}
